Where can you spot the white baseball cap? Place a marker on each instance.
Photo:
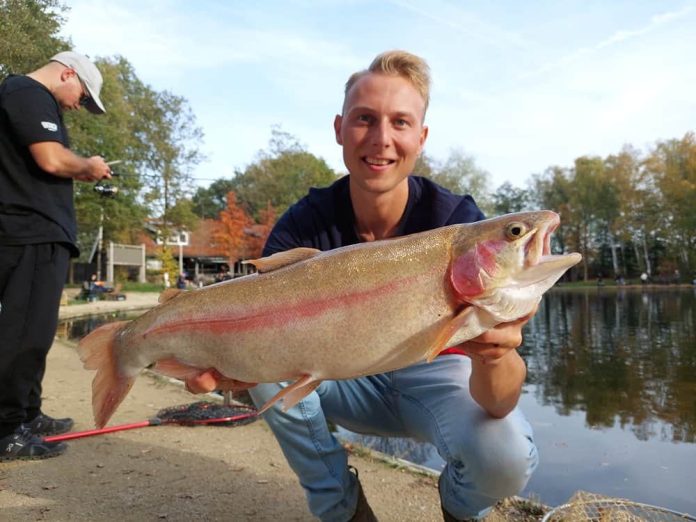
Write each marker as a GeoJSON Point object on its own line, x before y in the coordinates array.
{"type": "Point", "coordinates": [89, 75]}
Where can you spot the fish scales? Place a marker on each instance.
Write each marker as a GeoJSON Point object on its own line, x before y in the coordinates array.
{"type": "Point", "coordinates": [290, 321]}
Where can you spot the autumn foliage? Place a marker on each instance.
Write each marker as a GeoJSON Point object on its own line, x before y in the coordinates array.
{"type": "Point", "coordinates": [261, 231]}
{"type": "Point", "coordinates": [238, 234]}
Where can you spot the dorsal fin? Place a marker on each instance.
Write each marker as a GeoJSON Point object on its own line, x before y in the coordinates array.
{"type": "Point", "coordinates": [281, 259]}
{"type": "Point", "coordinates": [169, 293]}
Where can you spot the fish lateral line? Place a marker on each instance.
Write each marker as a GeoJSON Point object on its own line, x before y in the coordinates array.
{"type": "Point", "coordinates": [282, 315]}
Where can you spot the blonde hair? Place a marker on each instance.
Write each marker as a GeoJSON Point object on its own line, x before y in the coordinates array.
{"type": "Point", "coordinates": [398, 63]}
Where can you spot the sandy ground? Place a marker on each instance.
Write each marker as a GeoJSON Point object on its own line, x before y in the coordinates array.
{"type": "Point", "coordinates": [171, 472]}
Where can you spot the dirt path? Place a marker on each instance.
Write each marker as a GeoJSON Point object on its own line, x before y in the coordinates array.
{"type": "Point", "coordinates": [175, 473]}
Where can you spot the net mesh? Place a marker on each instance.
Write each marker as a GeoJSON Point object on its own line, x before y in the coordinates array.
{"type": "Point", "coordinates": [204, 412]}
{"type": "Point", "coordinates": [591, 507]}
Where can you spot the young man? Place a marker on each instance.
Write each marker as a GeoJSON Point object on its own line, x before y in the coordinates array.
{"type": "Point", "coordinates": [464, 405]}
{"type": "Point", "coordinates": [37, 237]}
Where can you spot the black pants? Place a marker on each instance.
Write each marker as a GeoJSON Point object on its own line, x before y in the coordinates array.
{"type": "Point", "coordinates": [31, 283]}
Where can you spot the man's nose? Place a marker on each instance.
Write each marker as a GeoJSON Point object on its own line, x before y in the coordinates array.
{"type": "Point", "coordinates": [381, 134]}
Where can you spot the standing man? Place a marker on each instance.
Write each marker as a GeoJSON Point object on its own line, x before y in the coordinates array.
{"type": "Point", "coordinates": [38, 235]}
{"type": "Point", "coordinates": [465, 401]}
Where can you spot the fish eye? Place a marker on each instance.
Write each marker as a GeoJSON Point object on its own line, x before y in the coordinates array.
{"type": "Point", "coordinates": [515, 230]}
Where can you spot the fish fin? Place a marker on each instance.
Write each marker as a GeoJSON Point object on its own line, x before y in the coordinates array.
{"type": "Point", "coordinates": [168, 294]}
{"type": "Point", "coordinates": [293, 393]}
{"type": "Point", "coordinates": [457, 322]}
{"type": "Point", "coordinates": [173, 367]}
{"type": "Point", "coordinates": [109, 386]}
{"type": "Point", "coordinates": [281, 259]}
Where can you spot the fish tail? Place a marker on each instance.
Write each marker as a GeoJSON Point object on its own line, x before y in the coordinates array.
{"type": "Point", "coordinates": [110, 386]}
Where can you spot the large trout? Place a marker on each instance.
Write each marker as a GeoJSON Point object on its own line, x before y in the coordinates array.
{"type": "Point", "coordinates": [307, 315]}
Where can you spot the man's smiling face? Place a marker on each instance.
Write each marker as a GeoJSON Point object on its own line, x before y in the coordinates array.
{"type": "Point", "coordinates": [381, 131]}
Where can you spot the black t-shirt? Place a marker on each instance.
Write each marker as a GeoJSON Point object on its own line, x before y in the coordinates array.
{"type": "Point", "coordinates": [324, 218]}
{"type": "Point", "coordinates": [35, 207]}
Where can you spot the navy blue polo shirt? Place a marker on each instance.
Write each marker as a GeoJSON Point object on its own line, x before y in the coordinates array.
{"type": "Point", "coordinates": [324, 218]}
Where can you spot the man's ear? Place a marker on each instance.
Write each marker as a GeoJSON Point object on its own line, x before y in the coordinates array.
{"type": "Point", "coordinates": [67, 73]}
{"type": "Point", "coordinates": [423, 137]}
{"type": "Point", "coordinates": [337, 128]}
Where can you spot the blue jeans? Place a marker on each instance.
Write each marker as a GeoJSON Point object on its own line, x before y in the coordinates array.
{"type": "Point", "coordinates": [487, 459]}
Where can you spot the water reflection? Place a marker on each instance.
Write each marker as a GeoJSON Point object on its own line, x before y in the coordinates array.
{"type": "Point", "coordinates": [75, 329]}
{"type": "Point", "coordinates": [623, 356]}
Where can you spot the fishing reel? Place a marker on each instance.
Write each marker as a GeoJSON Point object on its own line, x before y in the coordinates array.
{"type": "Point", "coordinates": [105, 190]}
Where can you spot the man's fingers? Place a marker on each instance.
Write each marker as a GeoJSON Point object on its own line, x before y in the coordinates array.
{"type": "Point", "coordinates": [212, 380]}
{"type": "Point", "coordinates": [510, 337]}
{"type": "Point", "coordinates": [202, 383]}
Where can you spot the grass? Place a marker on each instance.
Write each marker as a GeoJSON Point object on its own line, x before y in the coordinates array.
{"type": "Point", "coordinates": [130, 286]}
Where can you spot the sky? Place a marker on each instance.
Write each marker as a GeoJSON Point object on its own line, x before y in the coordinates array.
{"type": "Point", "coordinates": [518, 86]}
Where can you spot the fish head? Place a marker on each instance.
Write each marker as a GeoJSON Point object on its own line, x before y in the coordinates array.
{"type": "Point", "coordinates": [504, 265]}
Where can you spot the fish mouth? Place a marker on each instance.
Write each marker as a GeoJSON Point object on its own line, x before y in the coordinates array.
{"type": "Point", "coordinates": [538, 241]}
{"type": "Point", "coordinates": [539, 261]}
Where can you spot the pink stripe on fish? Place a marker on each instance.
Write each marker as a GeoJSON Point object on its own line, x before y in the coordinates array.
{"type": "Point", "coordinates": [279, 316]}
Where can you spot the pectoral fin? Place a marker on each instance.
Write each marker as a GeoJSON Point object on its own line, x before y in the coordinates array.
{"type": "Point", "coordinates": [457, 322]}
{"type": "Point", "coordinates": [293, 393]}
{"type": "Point", "coordinates": [281, 259]}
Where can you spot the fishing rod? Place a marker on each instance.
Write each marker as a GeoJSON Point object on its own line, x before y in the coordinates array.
{"type": "Point", "coordinates": [108, 190]}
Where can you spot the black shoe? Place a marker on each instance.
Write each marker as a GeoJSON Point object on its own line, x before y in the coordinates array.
{"type": "Point", "coordinates": [24, 445]}
{"type": "Point", "coordinates": [363, 511]}
{"type": "Point", "coordinates": [44, 425]}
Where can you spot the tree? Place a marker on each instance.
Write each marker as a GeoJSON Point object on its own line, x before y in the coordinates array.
{"type": "Point", "coordinates": [594, 200]}
{"type": "Point", "coordinates": [460, 174]}
{"type": "Point", "coordinates": [169, 130]}
{"type": "Point", "coordinates": [552, 190]}
{"type": "Point", "coordinates": [673, 165]}
{"type": "Point", "coordinates": [208, 202]}
{"type": "Point", "coordinates": [425, 166]}
{"type": "Point", "coordinates": [233, 225]}
{"type": "Point", "coordinates": [281, 175]}
{"type": "Point", "coordinates": [169, 264]}
{"type": "Point", "coordinates": [29, 30]}
{"type": "Point", "coordinates": [636, 218]}
{"type": "Point", "coordinates": [257, 239]}
{"type": "Point", "coordinates": [508, 199]}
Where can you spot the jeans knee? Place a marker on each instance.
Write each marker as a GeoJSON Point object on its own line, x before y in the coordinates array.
{"type": "Point", "coordinates": [495, 465]}
{"type": "Point", "coordinates": [503, 473]}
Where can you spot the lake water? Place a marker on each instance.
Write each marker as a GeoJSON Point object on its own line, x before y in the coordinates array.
{"type": "Point", "coordinates": [610, 393]}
